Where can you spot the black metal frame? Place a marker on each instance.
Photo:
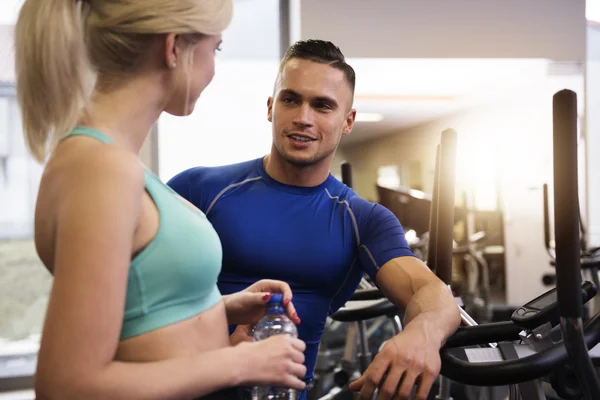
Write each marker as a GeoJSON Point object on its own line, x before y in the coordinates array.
{"type": "Point", "coordinates": [568, 244]}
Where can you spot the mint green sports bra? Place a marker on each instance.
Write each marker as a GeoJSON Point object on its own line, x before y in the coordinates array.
{"type": "Point", "coordinates": [175, 276]}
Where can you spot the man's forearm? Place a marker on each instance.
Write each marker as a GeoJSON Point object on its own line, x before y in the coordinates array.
{"type": "Point", "coordinates": [433, 307]}
{"type": "Point", "coordinates": [429, 305]}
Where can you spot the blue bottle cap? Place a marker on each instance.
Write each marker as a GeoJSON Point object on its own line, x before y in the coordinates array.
{"type": "Point", "coordinates": [276, 298]}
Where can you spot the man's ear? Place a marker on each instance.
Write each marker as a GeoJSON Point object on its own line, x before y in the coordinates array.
{"type": "Point", "coordinates": [349, 122]}
{"type": "Point", "coordinates": [270, 109]}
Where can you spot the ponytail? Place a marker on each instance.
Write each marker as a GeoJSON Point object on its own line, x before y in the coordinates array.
{"type": "Point", "coordinates": [53, 73]}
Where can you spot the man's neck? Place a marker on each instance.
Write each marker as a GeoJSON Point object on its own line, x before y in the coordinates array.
{"type": "Point", "coordinates": [289, 174]}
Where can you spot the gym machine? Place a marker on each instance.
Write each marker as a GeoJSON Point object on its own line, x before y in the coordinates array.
{"type": "Point", "coordinates": [546, 339]}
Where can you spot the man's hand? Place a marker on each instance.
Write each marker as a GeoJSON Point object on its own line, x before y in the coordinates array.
{"type": "Point", "coordinates": [410, 358]}
{"type": "Point", "coordinates": [249, 306]}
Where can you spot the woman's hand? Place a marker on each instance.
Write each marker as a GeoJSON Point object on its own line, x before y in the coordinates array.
{"type": "Point", "coordinates": [275, 361]}
{"type": "Point", "coordinates": [249, 306]}
{"type": "Point", "coordinates": [241, 334]}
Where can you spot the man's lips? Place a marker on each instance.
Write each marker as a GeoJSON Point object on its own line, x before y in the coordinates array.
{"type": "Point", "coordinates": [301, 137]}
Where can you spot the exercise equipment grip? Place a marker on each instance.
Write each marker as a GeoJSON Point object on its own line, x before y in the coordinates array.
{"type": "Point", "coordinates": [566, 204]}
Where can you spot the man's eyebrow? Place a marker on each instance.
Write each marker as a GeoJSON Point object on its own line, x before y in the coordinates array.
{"type": "Point", "coordinates": [326, 99]}
{"type": "Point", "coordinates": [321, 99]}
{"type": "Point", "coordinates": [290, 92]}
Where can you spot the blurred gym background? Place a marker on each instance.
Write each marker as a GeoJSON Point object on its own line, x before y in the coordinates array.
{"type": "Point", "coordinates": [487, 69]}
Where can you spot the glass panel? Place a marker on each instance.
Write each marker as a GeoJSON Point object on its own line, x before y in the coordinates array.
{"type": "Point", "coordinates": [229, 123]}
{"type": "Point", "coordinates": [24, 282]}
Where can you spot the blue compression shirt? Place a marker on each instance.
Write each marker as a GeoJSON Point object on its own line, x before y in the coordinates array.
{"type": "Point", "coordinates": [320, 240]}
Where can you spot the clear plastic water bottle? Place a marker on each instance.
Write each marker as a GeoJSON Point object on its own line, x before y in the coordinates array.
{"type": "Point", "coordinates": [275, 322]}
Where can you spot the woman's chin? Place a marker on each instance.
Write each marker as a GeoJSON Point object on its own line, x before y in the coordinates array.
{"type": "Point", "coordinates": [181, 112]}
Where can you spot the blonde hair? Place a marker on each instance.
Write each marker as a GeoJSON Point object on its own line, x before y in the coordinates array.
{"type": "Point", "coordinates": [63, 46]}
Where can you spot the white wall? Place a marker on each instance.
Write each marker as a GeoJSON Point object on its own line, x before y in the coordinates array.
{"type": "Point", "coordinates": [254, 31]}
{"type": "Point", "coordinates": [592, 10]}
{"type": "Point", "coordinates": [7, 55]}
{"type": "Point", "coordinates": [523, 131]}
{"type": "Point", "coordinates": [229, 123]}
{"type": "Point", "coordinates": [553, 29]}
{"type": "Point", "coordinates": [592, 127]}
{"type": "Point", "coordinates": [9, 10]}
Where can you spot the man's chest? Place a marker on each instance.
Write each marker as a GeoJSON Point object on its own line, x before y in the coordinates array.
{"type": "Point", "coordinates": [306, 243]}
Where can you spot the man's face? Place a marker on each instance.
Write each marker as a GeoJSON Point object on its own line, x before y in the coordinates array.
{"type": "Point", "coordinates": [310, 112]}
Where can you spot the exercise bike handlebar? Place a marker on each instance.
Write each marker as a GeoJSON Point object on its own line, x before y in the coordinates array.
{"type": "Point", "coordinates": [547, 240]}
{"type": "Point", "coordinates": [566, 236]}
{"type": "Point", "coordinates": [367, 294]}
{"type": "Point", "coordinates": [512, 371]}
{"type": "Point", "coordinates": [482, 334]}
{"type": "Point", "coordinates": [445, 206]}
{"type": "Point", "coordinates": [433, 215]}
{"type": "Point", "coordinates": [566, 206]}
{"type": "Point", "coordinates": [370, 303]}
{"type": "Point", "coordinates": [481, 373]}
{"type": "Point", "coordinates": [586, 261]}
{"type": "Point", "coordinates": [361, 310]}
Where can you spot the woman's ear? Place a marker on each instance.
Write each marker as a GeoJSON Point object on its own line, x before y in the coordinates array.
{"type": "Point", "coordinates": [171, 50]}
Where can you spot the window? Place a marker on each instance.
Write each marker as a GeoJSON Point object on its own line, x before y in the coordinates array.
{"type": "Point", "coordinates": [229, 123]}
{"type": "Point", "coordinates": [388, 176]}
{"type": "Point", "coordinates": [24, 282]}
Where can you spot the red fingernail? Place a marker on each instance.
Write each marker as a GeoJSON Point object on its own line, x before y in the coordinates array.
{"type": "Point", "coordinates": [286, 302]}
{"type": "Point", "coordinates": [266, 296]}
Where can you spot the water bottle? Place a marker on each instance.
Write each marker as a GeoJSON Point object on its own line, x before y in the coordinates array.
{"type": "Point", "coordinates": [275, 322]}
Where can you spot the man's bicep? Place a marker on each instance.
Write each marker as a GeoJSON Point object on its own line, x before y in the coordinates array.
{"type": "Point", "coordinates": [400, 278]}
{"type": "Point", "coordinates": [188, 184]}
{"type": "Point", "coordinates": [382, 240]}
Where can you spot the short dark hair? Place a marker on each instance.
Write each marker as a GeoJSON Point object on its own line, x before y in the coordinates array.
{"type": "Point", "coordinates": [323, 52]}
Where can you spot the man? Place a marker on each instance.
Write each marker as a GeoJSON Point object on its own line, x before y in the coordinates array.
{"type": "Point", "coordinates": [286, 217]}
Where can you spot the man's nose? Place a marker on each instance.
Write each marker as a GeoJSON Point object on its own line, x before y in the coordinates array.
{"type": "Point", "coordinates": [304, 115]}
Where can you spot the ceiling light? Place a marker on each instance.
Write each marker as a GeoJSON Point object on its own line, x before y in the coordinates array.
{"type": "Point", "coordinates": [368, 117]}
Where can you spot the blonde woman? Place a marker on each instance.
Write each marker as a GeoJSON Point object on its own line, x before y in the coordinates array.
{"type": "Point", "coordinates": [134, 311]}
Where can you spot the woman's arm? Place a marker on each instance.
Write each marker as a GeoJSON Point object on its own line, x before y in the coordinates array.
{"type": "Point", "coordinates": [97, 217]}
